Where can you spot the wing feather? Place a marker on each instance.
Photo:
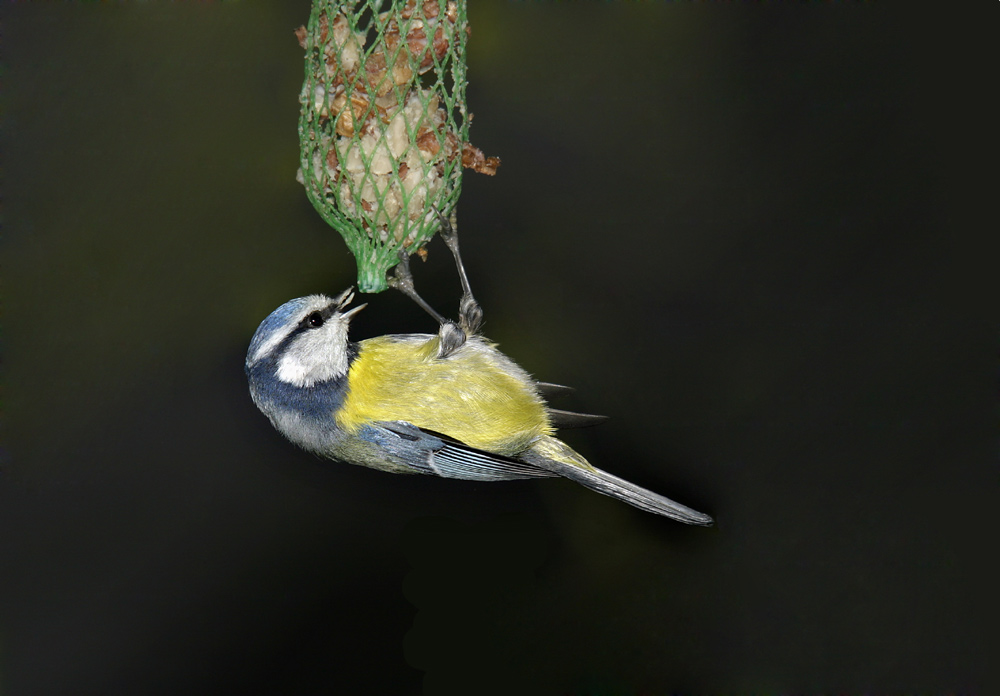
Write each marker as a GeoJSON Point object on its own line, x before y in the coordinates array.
{"type": "Point", "coordinates": [429, 452]}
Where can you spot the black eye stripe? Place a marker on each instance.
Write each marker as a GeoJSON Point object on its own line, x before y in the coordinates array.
{"type": "Point", "coordinates": [317, 318]}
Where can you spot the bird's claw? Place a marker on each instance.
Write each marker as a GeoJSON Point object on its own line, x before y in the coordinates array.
{"type": "Point", "coordinates": [451, 338]}
{"type": "Point", "coordinates": [470, 314]}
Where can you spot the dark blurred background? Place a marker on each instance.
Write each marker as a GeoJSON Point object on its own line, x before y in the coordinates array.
{"type": "Point", "coordinates": [735, 229]}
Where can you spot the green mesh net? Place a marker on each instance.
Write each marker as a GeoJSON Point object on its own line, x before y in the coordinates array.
{"type": "Point", "coordinates": [383, 131]}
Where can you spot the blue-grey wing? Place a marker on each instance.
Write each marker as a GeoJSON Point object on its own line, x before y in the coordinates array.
{"type": "Point", "coordinates": [428, 452]}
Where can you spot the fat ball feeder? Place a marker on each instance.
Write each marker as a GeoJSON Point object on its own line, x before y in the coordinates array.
{"type": "Point", "coordinates": [383, 128]}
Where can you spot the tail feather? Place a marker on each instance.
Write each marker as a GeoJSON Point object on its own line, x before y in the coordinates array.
{"type": "Point", "coordinates": [556, 456]}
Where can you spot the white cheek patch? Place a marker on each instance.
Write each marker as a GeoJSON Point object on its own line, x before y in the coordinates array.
{"type": "Point", "coordinates": [315, 356]}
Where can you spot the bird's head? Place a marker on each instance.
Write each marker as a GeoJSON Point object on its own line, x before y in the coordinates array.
{"type": "Point", "coordinates": [305, 339]}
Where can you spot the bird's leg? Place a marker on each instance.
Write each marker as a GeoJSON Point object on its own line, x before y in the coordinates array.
{"type": "Point", "coordinates": [451, 336]}
{"type": "Point", "coordinates": [470, 314]}
{"type": "Point", "coordinates": [402, 280]}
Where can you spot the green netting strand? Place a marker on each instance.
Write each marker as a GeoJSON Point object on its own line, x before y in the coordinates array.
{"type": "Point", "coordinates": [383, 129]}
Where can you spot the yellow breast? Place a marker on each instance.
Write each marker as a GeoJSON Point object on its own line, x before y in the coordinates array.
{"type": "Point", "coordinates": [475, 395]}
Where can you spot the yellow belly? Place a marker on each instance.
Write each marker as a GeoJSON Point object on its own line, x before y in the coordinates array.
{"type": "Point", "coordinates": [475, 395]}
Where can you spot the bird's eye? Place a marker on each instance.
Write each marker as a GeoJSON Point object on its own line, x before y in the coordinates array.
{"type": "Point", "coordinates": [315, 320]}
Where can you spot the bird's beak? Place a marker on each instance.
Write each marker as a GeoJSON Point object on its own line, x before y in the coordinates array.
{"type": "Point", "coordinates": [344, 298]}
{"type": "Point", "coordinates": [351, 312]}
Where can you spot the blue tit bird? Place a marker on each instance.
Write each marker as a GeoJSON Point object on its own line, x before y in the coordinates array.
{"type": "Point", "coordinates": [449, 404]}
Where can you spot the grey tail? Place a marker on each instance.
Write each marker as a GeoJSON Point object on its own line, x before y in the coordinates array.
{"type": "Point", "coordinates": [556, 456]}
{"type": "Point", "coordinates": [608, 484]}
